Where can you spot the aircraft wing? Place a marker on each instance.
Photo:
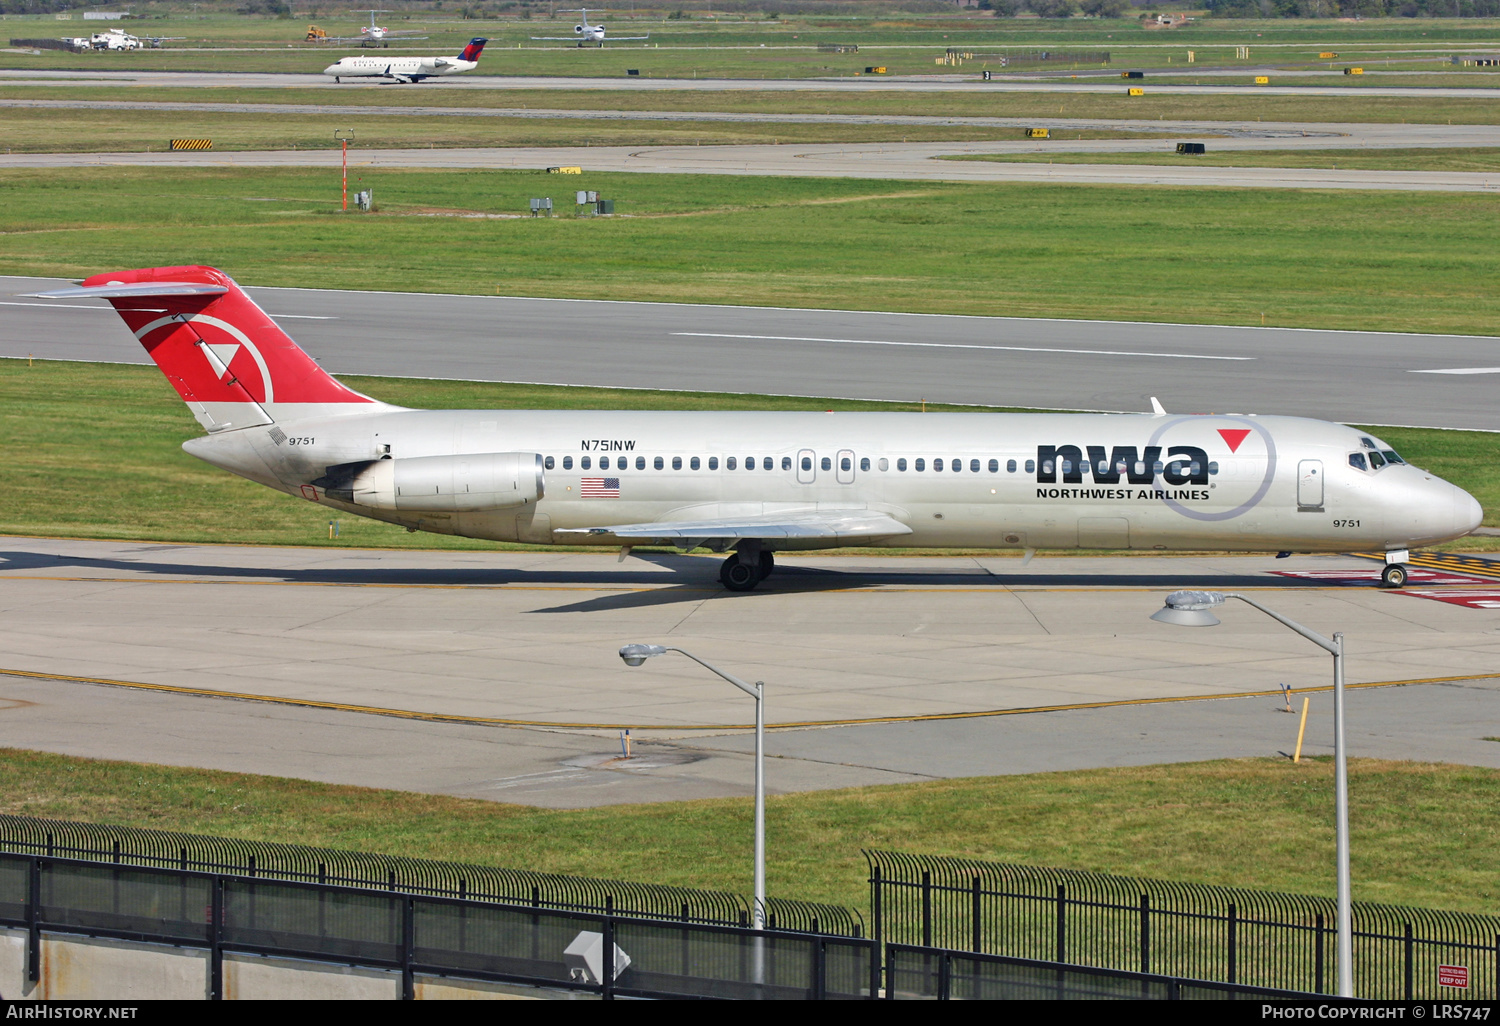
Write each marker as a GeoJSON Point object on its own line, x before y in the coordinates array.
{"type": "Point", "coordinates": [623, 39]}
{"type": "Point", "coordinates": [555, 39]}
{"type": "Point", "coordinates": [832, 525]}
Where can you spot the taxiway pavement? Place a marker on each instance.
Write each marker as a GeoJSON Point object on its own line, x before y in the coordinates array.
{"type": "Point", "coordinates": [511, 658]}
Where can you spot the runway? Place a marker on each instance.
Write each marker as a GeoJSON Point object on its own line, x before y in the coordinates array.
{"type": "Point", "coordinates": [885, 161]}
{"type": "Point", "coordinates": [970, 82]}
{"type": "Point", "coordinates": [469, 637]}
{"type": "Point", "coordinates": [1354, 377]}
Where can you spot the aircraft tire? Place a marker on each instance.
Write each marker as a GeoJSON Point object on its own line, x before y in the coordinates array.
{"type": "Point", "coordinates": [767, 564]}
{"type": "Point", "coordinates": [1393, 576]}
{"type": "Point", "coordinates": [737, 576]}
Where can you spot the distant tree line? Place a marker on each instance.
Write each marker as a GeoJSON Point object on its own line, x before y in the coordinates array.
{"type": "Point", "coordinates": [1354, 8]}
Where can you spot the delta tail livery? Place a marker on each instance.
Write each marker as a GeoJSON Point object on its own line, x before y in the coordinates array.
{"type": "Point", "coordinates": [753, 484]}
{"type": "Point", "coordinates": [406, 69]}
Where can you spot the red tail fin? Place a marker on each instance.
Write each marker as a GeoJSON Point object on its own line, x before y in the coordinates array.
{"type": "Point", "coordinates": [224, 355]}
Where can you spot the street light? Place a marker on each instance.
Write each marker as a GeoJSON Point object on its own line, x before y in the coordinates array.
{"type": "Point", "coordinates": [635, 655]}
{"type": "Point", "coordinates": [1191, 609]}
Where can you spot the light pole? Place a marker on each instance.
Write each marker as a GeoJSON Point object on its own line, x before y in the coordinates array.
{"type": "Point", "coordinates": [343, 135]}
{"type": "Point", "coordinates": [635, 655]}
{"type": "Point", "coordinates": [1191, 609]}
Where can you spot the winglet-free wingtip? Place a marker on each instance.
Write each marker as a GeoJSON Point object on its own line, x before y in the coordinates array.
{"type": "Point", "coordinates": [1157, 410]}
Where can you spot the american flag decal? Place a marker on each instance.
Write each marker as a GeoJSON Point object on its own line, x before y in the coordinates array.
{"type": "Point", "coordinates": [599, 487]}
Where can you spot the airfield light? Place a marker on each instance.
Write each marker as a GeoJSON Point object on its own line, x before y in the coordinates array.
{"type": "Point", "coordinates": [343, 135]}
{"type": "Point", "coordinates": [1191, 609]}
{"type": "Point", "coordinates": [635, 655]}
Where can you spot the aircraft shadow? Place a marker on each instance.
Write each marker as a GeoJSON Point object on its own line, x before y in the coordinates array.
{"type": "Point", "coordinates": [687, 577]}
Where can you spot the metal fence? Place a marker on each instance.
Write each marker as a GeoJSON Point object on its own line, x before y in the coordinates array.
{"type": "Point", "coordinates": [933, 973]}
{"type": "Point", "coordinates": [262, 860]}
{"type": "Point", "coordinates": [416, 935]}
{"type": "Point", "coordinates": [1254, 938]}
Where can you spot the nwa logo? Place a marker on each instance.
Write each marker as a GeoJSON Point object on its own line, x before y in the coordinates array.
{"type": "Point", "coordinates": [1187, 465]}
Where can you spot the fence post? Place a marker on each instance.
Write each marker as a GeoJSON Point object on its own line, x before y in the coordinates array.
{"type": "Point", "coordinates": [975, 915]}
{"type": "Point", "coordinates": [926, 908]}
{"type": "Point", "coordinates": [1318, 958]}
{"type": "Point", "coordinates": [945, 977]}
{"type": "Point", "coordinates": [34, 918]}
{"type": "Point", "coordinates": [1145, 933]}
{"type": "Point", "coordinates": [609, 953]}
{"type": "Point", "coordinates": [408, 947]}
{"type": "Point", "coordinates": [1408, 959]}
{"type": "Point", "coordinates": [216, 941]}
{"type": "Point", "coordinates": [820, 969]}
{"type": "Point", "coordinates": [1062, 924]}
{"type": "Point", "coordinates": [1233, 932]}
{"type": "Point", "coordinates": [877, 956]}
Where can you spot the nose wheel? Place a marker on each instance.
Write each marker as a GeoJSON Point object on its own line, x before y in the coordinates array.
{"type": "Point", "coordinates": [737, 575]}
{"type": "Point", "coordinates": [1393, 576]}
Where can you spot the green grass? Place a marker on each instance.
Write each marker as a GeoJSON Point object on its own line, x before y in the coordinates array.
{"type": "Point", "coordinates": [97, 453]}
{"type": "Point", "coordinates": [1390, 261]}
{"type": "Point", "coordinates": [1482, 160]}
{"type": "Point", "coordinates": [1422, 834]}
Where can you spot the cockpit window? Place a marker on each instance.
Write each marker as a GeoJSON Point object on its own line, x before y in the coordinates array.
{"type": "Point", "coordinates": [1368, 443]}
{"type": "Point", "coordinates": [1376, 460]}
{"type": "Point", "coordinates": [1391, 457]}
{"type": "Point", "coordinates": [1357, 461]}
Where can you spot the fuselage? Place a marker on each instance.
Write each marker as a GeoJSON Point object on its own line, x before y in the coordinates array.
{"type": "Point", "coordinates": [956, 480]}
{"type": "Point", "coordinates": [400, 68]}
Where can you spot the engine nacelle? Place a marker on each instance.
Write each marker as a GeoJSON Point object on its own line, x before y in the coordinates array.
{"type": "Point", "coordinates": [466, 483]}
{"type": "Point", "coordinates": [578, 29]}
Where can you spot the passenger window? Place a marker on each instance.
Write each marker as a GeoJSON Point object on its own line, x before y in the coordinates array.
{"type": "Point", "coordinates": [547, 463]}
{"type": "Point", "coordinates": [1194, 469]}
{"type": "Point", "coordinates": [1031, 467]}
{"type": "Point", "coordinates": [1357, 460]}
{"type": "Point", "coordinates": [713, 463]}
{"type": "Point", "coordinates": [884, 464]}
{"type": "Point", "coordinates": [767, 463]}
{"type": "Point", "coordinates": [846, 463]}
{"type": "Point", "coordinates": [585, 462]}
{"type": "Point", "coordinates": [749, 462]}
{"type": "Point", "coordinates": [640, 462]}
{"type": "Point", "coordinates": [1213, 468]}
{"type": "Point", "coordinates": [604, 462]}
{"type": "Point", "coordinates": [807, 463]}
{"type": "Point", "coordinates": [730, 464]}
{"type": "Point", "coordinates": [864, 463]}
{"type": "Point", "coordinates": [1158, 467]}
{"type": "Point", "coordinates": [826, 463]}
{"type": "Point", "coordinates": [1390, 456]}
{"type": "Point", "coordinates": [657, 463]}
{"type": "Point", "coordinates": [1066, 466]}
{"type": "Point", "coordinates": [567, 463]}
{"type": "Point", "coordinates": [936, 465]}
{"type": "Point", "coordinates": [1376, 460]}
{"type": "Point", "coordinates": [1103, 467]}
{"type": "Point", "coordinates": [1010, 466]}
{"type": "Point", "coordinates": [958, 465]}
{"type": "Point", "coordinates": [676, 462]}
{"type": "Point", "coordinates": [1140, 468]}
{"type": "Point", "coordinates": [693, 463]}
{"type": "Point", "coordinates": [786, 463]}
{"type": "Point", "coordinates": [920, 465]}
{"type": "Point", "coordinates": [974, 467]}
{"type": "Point", "coordinates": [1046, 466]}
{"type": "Point", "coordinates": [901, 464]}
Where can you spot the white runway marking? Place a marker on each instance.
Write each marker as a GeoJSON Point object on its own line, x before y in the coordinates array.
{"type": "Point", "coordinates": [957, 345]}
{"type": "Point", "coordinates": [1459, 370]}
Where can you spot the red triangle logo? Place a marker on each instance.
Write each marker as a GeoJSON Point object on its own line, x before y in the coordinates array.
{"type": "Point", "coordinates": [1234, 436]}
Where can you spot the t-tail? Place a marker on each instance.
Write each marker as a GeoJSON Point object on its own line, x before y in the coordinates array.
{"type": "Point", "coordinates": [228, 360]}
{"type": "Point", "coordinates": [472, 51]}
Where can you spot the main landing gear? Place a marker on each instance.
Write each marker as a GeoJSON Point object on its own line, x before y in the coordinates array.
{"type": "Point", "coordinates": [744, 570]}
{"type": "Point", "coordinates": [1395, 573]}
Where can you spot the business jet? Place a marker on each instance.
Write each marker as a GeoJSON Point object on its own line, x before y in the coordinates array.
{"type": "Point", "coordinates": [584, 33]}
{"type": "Point", "coordinates": [376, 35]}
{"type": "Point", "coordinates": [406, 69]}
{"type": "Point", "coordinates": [753, 484]}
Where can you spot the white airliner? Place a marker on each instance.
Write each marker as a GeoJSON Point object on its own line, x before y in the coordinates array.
{"type": "Point", "coordinates": [585, 33]}
{"type": "Point", "coordinates": [406, 69]}
{"type": "Point", "coordinates": [377, 35]}
{"type": "Point", "coordinates": [751, 484]}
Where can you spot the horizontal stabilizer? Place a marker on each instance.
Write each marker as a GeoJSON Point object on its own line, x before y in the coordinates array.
{"type": "Point", "coordinates": [117, 290]}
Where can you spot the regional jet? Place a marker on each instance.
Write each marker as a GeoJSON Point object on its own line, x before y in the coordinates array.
{"type": "Point", "coordinates": [753, 484]}
{"type": "Point", "coordinates": [406, 69]}
{"type": "Point", "coordinates": [585, 33]}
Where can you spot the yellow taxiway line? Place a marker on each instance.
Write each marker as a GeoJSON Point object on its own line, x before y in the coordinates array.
{"type": "Point", "coordinates": [494, 721]}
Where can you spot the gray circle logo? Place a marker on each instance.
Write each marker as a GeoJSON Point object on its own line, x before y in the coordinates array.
{"type": "Point", "coordinates": [1249, 504]}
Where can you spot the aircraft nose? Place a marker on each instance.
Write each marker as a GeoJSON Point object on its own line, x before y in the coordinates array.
{"type": "Point", "coordinates": [331, 69]}
{"type": "Point", "coordinates": [1467, 513]}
